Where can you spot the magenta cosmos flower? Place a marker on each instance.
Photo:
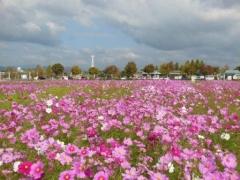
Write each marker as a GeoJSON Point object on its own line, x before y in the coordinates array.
{"type": "Point", "coordinates": [24, 168]}
{"type": "Point", "coordinates": [36, 170]}
{"type": "Point", "coordinates": [66, 175]}
{"type": "Point", "coordinates": [101, 175]}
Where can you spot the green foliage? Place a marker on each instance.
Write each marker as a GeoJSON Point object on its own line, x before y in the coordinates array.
{"type": "Point", "coordinates": [76, 70]}
{"type": "Point", "coordinates": [93, 71]}
{"type": "Point", "coordinates": [237, 68]}
{"type": "Point", "coordinates": [112, 71]}
{"type": "Point", "coordinates": [198, 67]}
{"type": "Point", "coordinates": [166, 68]}
{"type": "Point", "coordinates": [39, 71]}
{"type": "Point", "coordinates": [149, 68]}
{"type": "Point", "coordinates": [20, 98]}
{"type": "Point", "coordinates": [49, 71]}
{"type": "Point", "coordinates": [58, 69]}
{"type": "Point", "coordinates": [55, 91]}
{"type": "Point", "coordinates": [231, 145]}
{"type": "Point", "coordinates": [130, 69]}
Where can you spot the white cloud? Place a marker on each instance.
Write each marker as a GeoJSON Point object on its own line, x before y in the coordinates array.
{"type": "Point", "coordinates": [54, 28]}
{"type": "Point", "coordinates": [32, 27]}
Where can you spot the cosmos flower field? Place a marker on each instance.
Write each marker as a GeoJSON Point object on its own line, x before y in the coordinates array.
{"type": "Point", "coordinates": [132, 130]}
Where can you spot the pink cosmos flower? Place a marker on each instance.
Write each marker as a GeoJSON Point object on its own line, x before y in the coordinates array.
{"type": "Point", "coordinates": [37, 170]}
{"type": "Point", "coordinates": [157, 176]}
{"type": "Point", "coordinates": [211, 176]}
{"type": "Point", "coordinates": [71, 149]}
{"type": "Point", "coordinates": [119, 152]}
{"type": "Point", "coordinates": [128, 141]}
{"type": "Point", "coordinates": [7, 157]}
{"type": "Point", "coordinates": [130, 174]}
{"type": "Point", "coordinates": [63, 158]}
{"type": "Point", "coordinates": [67, 175]}
{"type": "Point", "coordinates": [229, 161]}
{"type": "Point", "coordinates": [207, 167]}
{"type": "Point", "coordinates": [24, 168]}
{"type": "Point", "coordinates": [83, 152]}
{"type": "Point", "coordinates": [79, 168]}
{"type": "Point", "coordinates": [30, 137]}
{"type": "Point", "coordinates": [101, 175]}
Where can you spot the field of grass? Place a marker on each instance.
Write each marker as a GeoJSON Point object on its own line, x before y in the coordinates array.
{"type": "Point", "coordinates": [120, 130]}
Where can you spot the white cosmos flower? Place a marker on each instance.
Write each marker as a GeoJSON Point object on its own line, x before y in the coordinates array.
{"type": "Point", "coordinates": [225, 136]}
{"type": "Point", "coordinates": [184, 110]}
{"type": "Point", "coordinates": [100, 118]}
{"type": "Point", "coordinates": [61, 143]}
{"type": "Point", "coordinates": [15, 166]}
{"type": "Point", "coordinates": [194, 177]}
{"type": "Point", "coordinates": [170, 167]}
{"type": "Point", "coordinates": [1, 163]}
{"type": "Point", "coordinates": [104, 127]}
{"type": "Point", "coordinates": [49, 102]}
{"type": "Point", "coordinates": [41, 138]}
{"type": "Point", "coordinates": [201, 136]}
{"type": "Point", "coordinates": [48, 110]}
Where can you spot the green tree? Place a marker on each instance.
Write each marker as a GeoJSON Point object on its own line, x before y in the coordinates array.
{"type": "Point", "coordinates": [58, 69]}
{"type": "Point", "coordinates": [39, 71]}
{"type": "Point", "coordinates": [166, 68]}
{"type": "Point", "coordinates": [76, 70]}
{"type": "Point", "coordinates": [149, 68]}
{"type": "Point", "coordinates": [176, 66]}
{"type": "Point", "coordinates": [112, 71]}
{"type": "Point", "coordinates": [49, 71]}
{"type": "Point", "coordinates": [93, 71]}
{"type": "Point", "coordinates": [12, 71]}
{"type": "Point", "coordinates": [130, 69]}
{"type": "Point", "coordinates": [237, 68]}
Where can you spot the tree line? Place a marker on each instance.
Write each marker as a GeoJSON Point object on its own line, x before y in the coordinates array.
{"type": "Point", "coordinates": [189, 67]}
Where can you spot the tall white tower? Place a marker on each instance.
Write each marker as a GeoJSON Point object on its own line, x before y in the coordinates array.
{"type": "Point", "coordinates": [92, 64]}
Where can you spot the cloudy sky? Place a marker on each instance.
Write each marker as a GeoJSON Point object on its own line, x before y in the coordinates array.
{"type": "Point", "coordinates": [147, 31]}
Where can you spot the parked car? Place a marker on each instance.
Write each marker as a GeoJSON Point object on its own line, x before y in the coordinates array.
{"type": "Point", "coordinates": [209, 77]}
{"type": "Point", "coordinates": [236, 77]}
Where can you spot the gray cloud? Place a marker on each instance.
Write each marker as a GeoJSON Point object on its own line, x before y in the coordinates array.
{"type": "Point", "coordinates": [37, 21]}
{"type": "Point", "coordinates": [163, 30]}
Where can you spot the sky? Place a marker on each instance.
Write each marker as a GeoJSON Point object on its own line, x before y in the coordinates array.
{"type": "Point", "coordinates": [117, 31]}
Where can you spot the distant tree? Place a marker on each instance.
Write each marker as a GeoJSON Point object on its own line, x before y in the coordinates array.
{"type": "Point", "coordinates": [76, 70]}
{"type": "Point", "coordinates": [130, 69]}
{"type": "Point", "coordinates": [49, 71]}
{"type": "Point", "coordinates": [58, 69]}
{"type": "Point", "coordinates": [39, 71]}
{"type": "Point", "coordinates": [209, 70]}
{"type": "Point", "coordinates": [101, 74]}
{"type": "Point", "coordinates": [149, 68]}
{"type": "Point", "coordinates": [176, 66]}
{"type": "Point", "coordinates": [12, 71]}
{"type": "Point", "coordinates": [93, 71]}
{"type": "Point", "coordinates": [112, 71]}
{"type": "Point", "coordinates": [123, 73]}
{"type": "Point", "coordinates": [166, 68]}
{"type": "Point", "coordinates": [237, 68]}
{"type": "Point", "coordinates": [224, 68]}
